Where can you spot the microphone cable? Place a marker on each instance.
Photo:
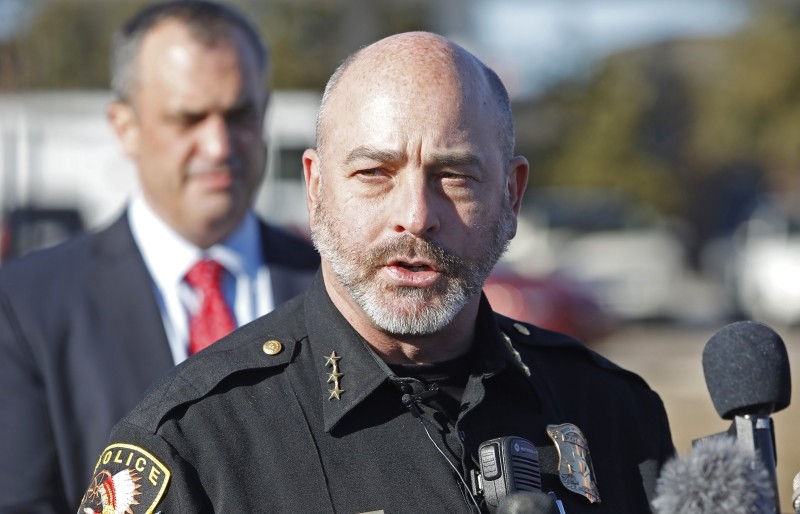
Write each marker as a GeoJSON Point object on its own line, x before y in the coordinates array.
{"type": "Point", "coordinates": [410, 401]}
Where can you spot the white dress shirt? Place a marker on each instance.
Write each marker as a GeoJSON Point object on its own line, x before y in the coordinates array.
{"type": "Point", "coordinates": [168, 256]}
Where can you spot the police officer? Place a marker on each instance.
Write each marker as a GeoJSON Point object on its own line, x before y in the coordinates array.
{"type": "Point", "coordinates": [376, 389]}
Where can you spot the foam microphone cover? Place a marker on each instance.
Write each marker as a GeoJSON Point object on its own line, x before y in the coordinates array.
{"type": "Point", "coordinates": [747, 370]}
{"type": "Point", "coordinates": [718, 475]}
{"type": "Point", "coordinates": [528, 502]}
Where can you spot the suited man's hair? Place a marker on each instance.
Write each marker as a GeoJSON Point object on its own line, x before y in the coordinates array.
{"type": "Point", "coordinates": [208, 23]}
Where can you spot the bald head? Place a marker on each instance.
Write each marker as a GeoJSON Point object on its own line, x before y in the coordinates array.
{"type": "Point", "coordinates": [418, 67]}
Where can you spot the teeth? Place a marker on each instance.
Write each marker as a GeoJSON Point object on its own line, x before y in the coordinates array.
{"type": "Point", "coordinates": [414, 268]}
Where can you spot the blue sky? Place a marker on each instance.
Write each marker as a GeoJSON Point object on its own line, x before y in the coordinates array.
{"type": "Point", "coordinates": [13, 14]}
{"type": "Point", "coordinates": [534, 43]}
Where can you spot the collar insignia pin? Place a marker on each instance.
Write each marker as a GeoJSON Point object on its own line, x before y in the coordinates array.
{"type": "Point", "coordinates": [334, 376]}
{"type": "Point", "coordinates": [574, 462]}
{"type": "Point", "coordinates": [524, 367]}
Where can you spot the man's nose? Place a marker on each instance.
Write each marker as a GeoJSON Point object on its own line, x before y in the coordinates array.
{"type": "Point", "coordinates": [415, 207]}
{"type": "Point", "coordinates": [215, 137]}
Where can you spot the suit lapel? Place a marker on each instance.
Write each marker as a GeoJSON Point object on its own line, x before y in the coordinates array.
{"type": "Point", "coordinates": [292, 263]}
{"type": "Point", "coordinates": [122, 290]}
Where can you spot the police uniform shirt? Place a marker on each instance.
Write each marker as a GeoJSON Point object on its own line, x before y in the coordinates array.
{"type": "Point", "coordinates": [295, 413]}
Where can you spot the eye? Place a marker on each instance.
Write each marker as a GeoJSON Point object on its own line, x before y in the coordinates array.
{"type": "Point", "coordinates": [370, 174]}
{"type": "Point", "coordinates": [189, 119]}
{"type": "Point", "coordinates": [450, 177]}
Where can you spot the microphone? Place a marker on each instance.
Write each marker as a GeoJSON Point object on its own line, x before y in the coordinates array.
{"type": "Point", "coordinates": [528, 502]}
{"type": "Point", "coordinates": [796, 493]}
{"type": "Point", "coordinates": [718, 475]}
{"type": "Point", "coordinates": [746, 368]}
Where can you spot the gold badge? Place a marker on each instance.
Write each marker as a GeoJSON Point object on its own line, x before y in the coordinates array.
{"type": "Point", "coordinates": [125, 476]}
{"type": "Point", "coordinates": [574, 462]}
{"type": "Point", "coordinates": [334, 376]}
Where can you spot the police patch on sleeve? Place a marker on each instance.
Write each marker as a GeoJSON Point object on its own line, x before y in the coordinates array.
{"type": "Point", "coordinates": [127, 479]}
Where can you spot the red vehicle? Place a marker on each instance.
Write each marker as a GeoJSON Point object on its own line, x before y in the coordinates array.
{"type": "Point", "coordinates": [554, 302]}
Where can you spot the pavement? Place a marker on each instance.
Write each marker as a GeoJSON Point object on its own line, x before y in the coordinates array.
{"type": "Point", "coordinates": [669, 357]}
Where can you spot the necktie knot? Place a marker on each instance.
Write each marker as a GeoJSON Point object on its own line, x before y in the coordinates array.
{"type": "Point", "coordinates": [205, 275]}
{"type": "Point", "coordinates": [213, 320]}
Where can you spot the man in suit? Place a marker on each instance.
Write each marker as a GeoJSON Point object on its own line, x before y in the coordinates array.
{"type": "Point", "coordinates": [87, 326]}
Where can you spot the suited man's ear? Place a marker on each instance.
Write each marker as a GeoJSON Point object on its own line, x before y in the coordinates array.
{"type": "Point", "coordinates": [122, 118]}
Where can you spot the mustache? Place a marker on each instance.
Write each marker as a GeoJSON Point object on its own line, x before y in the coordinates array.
{"type": "Point", "coordinates": [408, 247]}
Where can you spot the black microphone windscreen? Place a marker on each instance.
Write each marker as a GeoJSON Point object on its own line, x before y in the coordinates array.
{"type": "Point", "coordinates": [747, 370]}
{"type": "Point", "coordinates": [718, 475]}
{"type": "Point", "coordinates": [528, 502]}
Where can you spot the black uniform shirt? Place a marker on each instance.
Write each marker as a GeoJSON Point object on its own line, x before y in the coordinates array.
{"type": "Point", "coordinates": [295, 413]}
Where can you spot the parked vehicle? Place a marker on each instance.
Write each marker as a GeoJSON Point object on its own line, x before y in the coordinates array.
{"type": "Point", "coordinates": [25, 229]}
{"type": "Point", "coordinates": [623, 253]}
{"type": "Point", "coordinates": [766, 262]}
{"type": "Point", "coordinates": [553, 302]}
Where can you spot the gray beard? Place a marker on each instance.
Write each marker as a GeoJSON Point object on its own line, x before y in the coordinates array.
{"type": "Point", "coordinates": [409, 311]}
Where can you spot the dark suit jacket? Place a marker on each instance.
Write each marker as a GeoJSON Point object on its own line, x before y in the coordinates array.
{"type": "Point", "coordinates": [81, 339]}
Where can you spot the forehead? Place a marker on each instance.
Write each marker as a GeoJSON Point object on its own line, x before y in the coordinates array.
{"type": "Point", "coordinates": [170, 58]}
{"type": "Point", "coordinates": [438, 101]}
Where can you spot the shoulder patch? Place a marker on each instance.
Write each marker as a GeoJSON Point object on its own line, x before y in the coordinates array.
{"type": "Point", "coordinates": [127, 479]}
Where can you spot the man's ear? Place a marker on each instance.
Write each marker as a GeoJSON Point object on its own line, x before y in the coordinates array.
{"type": "Point", "coordinates": [313, 180]}
{"type": "Point", "coordinates": [123, 121]}
{"type": "Point", "coordinates": [518, 170]}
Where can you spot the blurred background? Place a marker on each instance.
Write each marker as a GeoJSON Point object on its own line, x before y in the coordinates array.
{"type": "Point", "coordinates": [664, 138]}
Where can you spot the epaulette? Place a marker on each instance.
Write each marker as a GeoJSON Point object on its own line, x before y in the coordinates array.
{"type": "Point", "coordinates": [268, 342]}
{"type": "Point", "coordinates": [526, 335]}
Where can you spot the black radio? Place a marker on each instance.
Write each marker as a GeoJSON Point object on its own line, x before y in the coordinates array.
{"type": "Point", "coordinates": [509, 478]}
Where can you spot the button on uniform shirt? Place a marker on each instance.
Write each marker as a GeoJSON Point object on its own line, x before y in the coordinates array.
{"type": "Point", "coordinates": [245, 282]}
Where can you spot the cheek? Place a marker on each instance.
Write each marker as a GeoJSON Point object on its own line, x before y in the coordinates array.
{"type": "Point", "coordinates": [360, 218]}
{"type": "Point", "coordinates": [168, 149]}
{"type": "Point", "coordinates": [247, 140]}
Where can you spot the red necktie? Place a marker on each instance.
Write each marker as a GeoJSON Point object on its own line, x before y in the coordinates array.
{"type": "Point", "coordinates": [213, 320]}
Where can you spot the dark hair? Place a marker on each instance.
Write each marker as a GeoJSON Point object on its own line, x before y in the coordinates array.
{"type": "Point", "coordinates": [208, 22]}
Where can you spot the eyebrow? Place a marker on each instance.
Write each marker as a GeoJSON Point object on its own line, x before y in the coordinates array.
{"type": "Point", "coordinates": [373, 154]}
{"type": "Point", "coordinates": [440, 160]}
{"type": "Point", "coordinates": [457, 159]}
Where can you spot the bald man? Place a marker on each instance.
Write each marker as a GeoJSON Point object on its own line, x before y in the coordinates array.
{"type": "Point", "coordinates": [376, 390]}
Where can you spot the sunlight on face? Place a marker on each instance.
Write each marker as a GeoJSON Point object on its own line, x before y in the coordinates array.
{"type": "Point", "coordinates": [405, 310]}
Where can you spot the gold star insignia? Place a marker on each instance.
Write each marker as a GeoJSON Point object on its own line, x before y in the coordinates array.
{"type": "Point", "coordinates": [334, 376]}
{"type": "Point", "coordinates": [332, 360]}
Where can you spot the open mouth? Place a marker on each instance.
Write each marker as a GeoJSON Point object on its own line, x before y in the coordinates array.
{"type": "Point", "coordinates": [412, 273]}
{"type": "Point", "coordinates": [413, 265]}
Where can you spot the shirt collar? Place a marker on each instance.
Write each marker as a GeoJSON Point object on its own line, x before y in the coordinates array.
{"type": "Point", "coordinates": [360, 370]}
{"type": "Point", "coordinates": [169, 256]}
